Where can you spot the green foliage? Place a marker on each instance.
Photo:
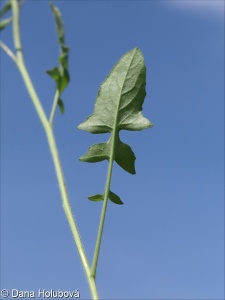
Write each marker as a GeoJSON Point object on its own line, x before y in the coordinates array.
{"type": "Point", "coordinates": [118, 106]}
{"type": "Point", "coordinates": [3, 11]}
{"type": "Point", "coordinates": [60, 74]}
{"type": "Point", "coordinates": [100, 197]}
{"type": "Point", "coordinates": [124, 156]}
{"type": "Point", "coordinates": [5, 8]}
{"type": "Point", "coordinates": [4, 23]}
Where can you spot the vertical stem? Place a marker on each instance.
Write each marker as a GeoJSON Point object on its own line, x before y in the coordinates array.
{"type": "Point", "coordinates": [53, 149]}
{"type": "Point", "coordinates": [51, 118]}
{"type": "Point", "coordinates": [102, 220]}
{"type": "Point", "coordinates": [104, 207]}
{"type": "Point", "coordinates": [16, 30]}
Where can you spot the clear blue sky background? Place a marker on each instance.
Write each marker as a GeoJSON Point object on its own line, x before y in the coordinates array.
{"type": "Point", "coordinates": [167, 240]}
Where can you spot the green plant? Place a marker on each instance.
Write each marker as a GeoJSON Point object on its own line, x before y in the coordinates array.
{"type": "Point", "coordinates": [118, 107]}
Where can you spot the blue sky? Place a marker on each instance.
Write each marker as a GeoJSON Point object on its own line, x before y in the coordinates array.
{"type": "Point", "coordinates": [167, 240]}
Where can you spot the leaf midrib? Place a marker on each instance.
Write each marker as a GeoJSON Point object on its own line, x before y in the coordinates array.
{"type": "Point", "coordinates": [114, 132]}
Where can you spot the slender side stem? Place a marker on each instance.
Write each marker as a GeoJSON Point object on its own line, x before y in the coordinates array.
{"type": "Point", "coordinates": [16, 30]}
{"type": "Point", "coordinates": [8, 51]}
{"type": "Point", "coordinates": [54, 106]}
{"type": "Point", "coordinates": [53, 149]}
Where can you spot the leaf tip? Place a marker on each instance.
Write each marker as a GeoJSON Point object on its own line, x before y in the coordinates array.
{"type": "Point", "coordinates": [115, 198]}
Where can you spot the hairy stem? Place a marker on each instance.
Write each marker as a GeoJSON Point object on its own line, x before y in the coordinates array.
{"type": "Point", "coordinates": [53, 148]}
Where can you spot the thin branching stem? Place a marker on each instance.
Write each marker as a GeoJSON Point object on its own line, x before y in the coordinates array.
{"type": "Point", "coordinates": [8, 51]}
{"type": "Point", "coordinates": [53, 148]}
{"type": "Point", "coordinates": [54, 106]}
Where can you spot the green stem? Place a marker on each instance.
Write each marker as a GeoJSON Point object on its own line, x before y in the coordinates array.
{"type": "Point", "coordinates": [104, 207]}
{"type": "Point", "coordinates": [54, 106]}
{"type": "Point", "coordinates": [8, 51]}
{"type": "Point", "coordinates": [53, 149]}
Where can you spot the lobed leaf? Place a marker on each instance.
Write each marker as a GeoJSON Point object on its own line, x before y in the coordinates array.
{"type": "Point", "coordinates": [96, 153]}
{"type": "Point", "coordinates": [119, 101]}
{"type": "Point", "coordinates": [124, 156]}
{"type": "Point", "coordinates": [118, 106]}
